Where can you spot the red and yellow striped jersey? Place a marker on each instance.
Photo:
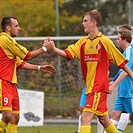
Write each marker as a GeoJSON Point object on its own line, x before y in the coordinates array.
{"type": "Point", "coordinates": [95, 56]}
{"type": "Point", "coordinates": [11, 57]}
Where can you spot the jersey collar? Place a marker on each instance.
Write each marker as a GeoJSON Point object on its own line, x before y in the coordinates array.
{"type": "Point", "coordinates": [98, 35]}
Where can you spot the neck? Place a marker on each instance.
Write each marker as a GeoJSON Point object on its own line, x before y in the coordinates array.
{"type": "Point", "coordinates": [93, 34]}
{"type": "Point", "coordinates": [126, 46]}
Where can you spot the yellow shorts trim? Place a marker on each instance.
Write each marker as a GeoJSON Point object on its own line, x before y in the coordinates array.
{"type": "Point", "coordinates": [16, 112]}
{"type": "Point", "coordinates": [95, 112]}
{"type": "Point", "coordinates": [5, 108]}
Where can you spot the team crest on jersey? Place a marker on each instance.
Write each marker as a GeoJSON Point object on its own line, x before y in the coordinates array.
{"type": "Point", "coordinates": [98, 46]}
{"type": "Point", "coordinates": [91, 47]}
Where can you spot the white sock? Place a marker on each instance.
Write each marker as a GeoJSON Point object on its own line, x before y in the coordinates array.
{"type": "Point", "coordinates": [79, 123]}
{"type": "Point", "coordinates": [100, 127]}
{"type": "Point", "coordinates": [123, 122]}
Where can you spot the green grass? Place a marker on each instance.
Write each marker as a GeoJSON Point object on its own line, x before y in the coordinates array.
{"type": "Point", "coordinates": [61, 129]}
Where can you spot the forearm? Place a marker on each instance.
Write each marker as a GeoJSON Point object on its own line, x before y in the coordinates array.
{"type": "Point", "coordinates": [43, 68]}
{"type": "Point", "coordinates": [61, 53]}
{"type": "Point", "coordinates": [36, 53]}
{"type": "Point", "coordinates": [129, 72]}
{"type": "Point", "coordinates": [28, 66]}
{"type": "Point", "coordinates": [120, 78]}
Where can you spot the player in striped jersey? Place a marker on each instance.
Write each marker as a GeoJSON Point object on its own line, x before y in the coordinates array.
{"type": "Point", "coordinates": [95, 52]}
{"type": "Point", "coordinates": [13, 56]}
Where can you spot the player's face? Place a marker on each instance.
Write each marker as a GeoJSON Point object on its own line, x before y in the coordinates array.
{"type": "Point", "coordinates": [119, 41]}
{"type": "Point", "coordinates": [87, 24]}
{"type": "Point", "coordinates": [14, 28]}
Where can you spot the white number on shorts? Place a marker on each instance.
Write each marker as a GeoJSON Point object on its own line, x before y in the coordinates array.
{"type": "Point", "coordinates": [5, 101]}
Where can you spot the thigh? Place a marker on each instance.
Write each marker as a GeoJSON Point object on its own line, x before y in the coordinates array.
{"type": "Point", "coordinates": [104, 120]}
{"type": "Point", "coordinates": [115, 115]}
{"type": "Point", "coordinates": [96, 103]}
{"type": "Point", "coordinates": [86, 118]}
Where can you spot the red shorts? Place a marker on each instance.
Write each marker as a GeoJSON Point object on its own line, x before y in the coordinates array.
{"type": "Point", "coordinates": [97, 103]}
{"type": "Point", "coordinates": [9, 99]}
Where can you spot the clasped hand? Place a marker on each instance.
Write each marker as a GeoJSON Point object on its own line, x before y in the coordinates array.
{"type": "Point", "coordinates": [49, 44]}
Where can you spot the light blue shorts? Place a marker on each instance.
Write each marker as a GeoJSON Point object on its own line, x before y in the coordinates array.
{"type": "Point", "coordinates": [83, 98]}
{"type": "Point", "coordinates": [124, 104]}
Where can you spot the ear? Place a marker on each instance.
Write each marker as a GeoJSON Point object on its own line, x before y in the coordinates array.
{"type": "Point", "coordinates": [94, 22]}
{"type": "Point", "coordinates": [8, 28]}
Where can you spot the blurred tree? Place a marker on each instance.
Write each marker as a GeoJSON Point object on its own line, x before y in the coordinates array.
{"type": "Point", "coordinates": [36, 17]}
{"type": "Point", "coordinates": [114, 12]}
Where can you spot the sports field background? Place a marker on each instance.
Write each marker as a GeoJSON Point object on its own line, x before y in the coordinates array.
{"type": "Point", "coordinates": [61, 129]}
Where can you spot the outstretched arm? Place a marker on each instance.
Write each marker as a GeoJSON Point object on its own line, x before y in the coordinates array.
{"type": "Point", "coordinates": [43, 68]}
{"type": "Point", "coordinates": [50, 45]}
{"type": "Point", "coordinates": [36, 53]}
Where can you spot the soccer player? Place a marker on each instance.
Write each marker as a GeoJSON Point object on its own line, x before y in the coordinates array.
{"type": "Point", "coordinates": [125, 95]}
{"type": "Point", "coordinates": [12, 56]}
{"type": "Point", "coordinates": [95, 52]}
{"type": "Point", "coordinates": [124, 118]}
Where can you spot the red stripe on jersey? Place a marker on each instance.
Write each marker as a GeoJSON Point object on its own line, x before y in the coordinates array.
{"type": "Point", "coordinates": [27, 56]}
{"type": "Point", "coordinates": [83, 63]}
{"type": "Point", "coordinates": [7, 66]}
{"type": "Point", "coordinates": [68, 53]}
{"type": "Point", "coordinates": [123, 64]}
{"type": "Point", "coordinates": [101, 82]}
{"type": "Point", "coordinates": [21, 65]}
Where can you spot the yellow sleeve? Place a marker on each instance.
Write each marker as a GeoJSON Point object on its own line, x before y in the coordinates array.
{"type": "Point", "coordinates": [74, 49]}
{"type": "Point", "coordinates": [115, 56]}
{"type": "Point", "coordinates": [19, 63]}
{"type": "Point", "coordinates": [15, 48]}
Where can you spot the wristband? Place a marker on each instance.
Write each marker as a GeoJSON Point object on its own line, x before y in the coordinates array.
{"type": "Point", "coordinates": [44, 48]}
{"type": "Point", "coordinates": [39, 68]}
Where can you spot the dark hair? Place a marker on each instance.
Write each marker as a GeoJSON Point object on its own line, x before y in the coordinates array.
{"type": "Point", "coordinates": [6, 21]}
{"type": "Point", "coordinates": [95, 15]}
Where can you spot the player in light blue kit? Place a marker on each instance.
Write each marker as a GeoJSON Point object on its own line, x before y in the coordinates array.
{"type": "Point", "coordinates": [122, 123]}
{"type": "Point", "coordinates": [124, 100]}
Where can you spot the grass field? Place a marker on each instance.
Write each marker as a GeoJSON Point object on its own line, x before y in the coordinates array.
{"type": "Point", "coordinates": [61, 129]}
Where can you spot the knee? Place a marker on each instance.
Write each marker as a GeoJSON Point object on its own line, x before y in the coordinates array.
{"type": "Point", "coordinates": [7, 118]}
{"type": "Point", "coordinates": [115, 115]}
{"type": "Point", "coordinates": [15, 118]}
{"type": "Point", "coordinates": [83, 120]}
{"type": "Point", "coordinates": [105, 121]}
{"type": "Point", "coordinates": [102, 121]}
{"type": "Point", "coordinates": [86, 118]}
